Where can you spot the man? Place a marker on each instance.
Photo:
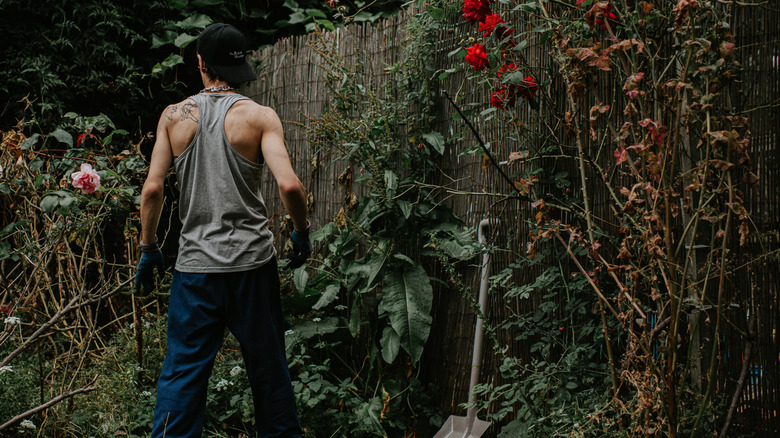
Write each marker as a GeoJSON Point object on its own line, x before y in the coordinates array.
{"type": "Point", "coordinates": [226, 272]}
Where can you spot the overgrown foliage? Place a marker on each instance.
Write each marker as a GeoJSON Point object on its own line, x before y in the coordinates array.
{"type": "Point", "coordinates": [112, 57]}
{"type": "Point", "coordinates": [672, 152]}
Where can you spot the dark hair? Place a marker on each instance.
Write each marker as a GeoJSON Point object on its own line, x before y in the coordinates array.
{"type": "Point", "coordinates": [212, 74]}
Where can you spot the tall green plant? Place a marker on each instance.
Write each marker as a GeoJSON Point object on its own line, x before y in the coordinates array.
{"type": "Point", "coordinates": [371, 265]}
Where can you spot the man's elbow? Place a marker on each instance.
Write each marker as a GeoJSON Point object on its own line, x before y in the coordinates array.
{"type": "Point", "coordinates": [152, 191]}
{"type": "Point", "coordinates": [292, 189]}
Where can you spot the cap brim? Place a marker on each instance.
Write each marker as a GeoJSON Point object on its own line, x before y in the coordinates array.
{"type": "Point", "coordinates": [236, 74]}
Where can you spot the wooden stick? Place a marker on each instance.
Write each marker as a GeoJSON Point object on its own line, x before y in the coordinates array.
{"type": "Point", "coordinates": [51, 403]}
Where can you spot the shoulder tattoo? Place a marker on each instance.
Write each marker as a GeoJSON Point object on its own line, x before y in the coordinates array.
{"type": "Point", "coordinates": [169, 113]}
{"type": "Point", "coordinates": [187, 113]}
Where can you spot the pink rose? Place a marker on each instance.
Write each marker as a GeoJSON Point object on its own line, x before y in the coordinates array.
{"type": "Point", "coordinates": [87, 180]}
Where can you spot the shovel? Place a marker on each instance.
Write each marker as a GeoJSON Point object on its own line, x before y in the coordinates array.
{"type": "Point", "coordinates": [470, 426]}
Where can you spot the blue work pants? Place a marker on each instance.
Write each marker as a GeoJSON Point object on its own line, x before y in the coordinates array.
{"type": "Point", "coordinates": [201, 306]}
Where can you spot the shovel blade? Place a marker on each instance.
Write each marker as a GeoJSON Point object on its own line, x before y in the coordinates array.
{"type": "Point", "coordinates": [457, 427]}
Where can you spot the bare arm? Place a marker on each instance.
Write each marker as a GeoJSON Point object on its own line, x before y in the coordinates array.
{"type": "Point", "coordinates": [278, 161]}
{"type": "Point", "coordinates": [152, 192]}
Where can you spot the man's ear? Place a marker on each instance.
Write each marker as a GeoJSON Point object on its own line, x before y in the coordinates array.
{"type": "Point", "coordinates": [201, 64]}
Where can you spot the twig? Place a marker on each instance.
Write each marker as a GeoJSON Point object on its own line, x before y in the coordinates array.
{"type": "Point", "coordinates": [484, 148]}
{"type": "Point", "coordinates": [746, 358]}
{"type": "Point", "coordinates": [72, 305]}
{"type": "Point", "coordinates": [51, 403]}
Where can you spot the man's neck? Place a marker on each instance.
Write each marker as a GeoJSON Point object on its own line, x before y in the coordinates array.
{"type": "Point", "coordinates": [217, 87]}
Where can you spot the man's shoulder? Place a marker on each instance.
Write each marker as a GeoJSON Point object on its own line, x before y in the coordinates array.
{"type": "Point", "coordinates": [187, 109]}
{"type": "Point", "coordinates": [260, 114]}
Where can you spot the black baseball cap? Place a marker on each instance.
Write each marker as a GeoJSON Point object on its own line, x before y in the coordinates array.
{"type": "Point", "coordinates": [223, 48]}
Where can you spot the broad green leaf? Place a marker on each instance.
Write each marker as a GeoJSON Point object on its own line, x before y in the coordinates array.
{"type": "Point", "coordinates": [167, 64]}
{"type": "Point", "coordinates": [391, 344]}
{"type": "Point", "coordinates": [407, 302]}
{"type": "Point", "coordinates": [63, 137]}
{"type": "Point", "coordinates": [166, 38]}
{"type": "Point", "coordinates": [198, 21]}
{"type": "Point", "coordinates": [298, 17]}
{"type": "Point", "coordinates": [184, 40]}
{"type": "Point", "coordinates": [377, 261]}
{"type": "Point", "coordinates": [324, 232]}
{"type": "Point", "coordinates": [406, 208]}
{"type": "Point", "coordinates": [5, 250]}
{"type": "Point", "coordinates": [330, 293]}
{"type": "Point", "coordinates": [50, 203]}
{"type": "Point", "coordinates": [68, 202]}
{"type": "Point", "coordinates": [311, 328]}
{"type": "Point", "coordinates": [436, 140]}
{"type": "Point", "coordinates": [300, 278]}
{"type": "Point", "coordinates": [30, 141]}
{"type": "Point", "coordinates": [316, 13]}
{"type": "Point", "coordinates": [326, 24]}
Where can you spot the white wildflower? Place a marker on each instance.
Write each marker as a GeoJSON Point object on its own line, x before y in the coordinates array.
{"type": "Point", "coordinates": [6, 369]}
{"type": "Point", "coordinates": [236, 371]}
{"type": "Point", "coordinates": [316, 319]}
{"type": "Point", "coordinates": [341, 307]}
{"type": "Point", "coordinates": [27, 424]}
{"type": "Point", "coordinates": [12, 320]}
{"type": "Point", "coordinates": [222, 384]}
{"type": "Point", "coordinates": [288, 333]}
{"type": "Point", "coordinates": [146, 394]}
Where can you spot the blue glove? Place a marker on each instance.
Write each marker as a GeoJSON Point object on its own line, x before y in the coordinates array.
{"type": "Point", "coordinates": [151, 257]}
{"type": "Point", "coordinates": [301, 249]}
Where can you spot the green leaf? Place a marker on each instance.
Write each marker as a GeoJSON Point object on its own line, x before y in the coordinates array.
{"type": "Point", "coordinates": [354, 320]}
{"type": "Point", "coordinates": [50, 203]}
{"type": "Point", "coordinates": [300, 278]}
{"type": "Point", "coordinates": [166, 38]}
{"type": "Point", "coordinates": [406, 208]}
{"type": "Point", "coordinates": [407, 301]}
{"type": "Point", "coordinates": [63, 137]}
{"type": "Point", "coordinates": [30, 142]}
{"type": "Point", "coordinates": [326, 24]}
{"type": "Point", "coordinates": [330, 294]}
{"type": "Point", "coordinates": [436, 140]}
{"type": "Point", "coordinates": [391, 183]}
{"type": "Point", "coordinates": [40, 178]}
{"type": "Point", "coordinates": [184, 40]}
{"type": "Point", "coordinates": [316, 13]}
{"type": "Point", "coordinates": [298, 17]}
{"type": "Point", "coordinates": [198, 21]}
{"type": "Point", "coordinates": [391, 344]}
{"type": "Point", "coordinates": [168, 63]}
{"type": "Point", "coordinates": [5, 250]}
{"type": "Point", "coordinates": [377, 261]}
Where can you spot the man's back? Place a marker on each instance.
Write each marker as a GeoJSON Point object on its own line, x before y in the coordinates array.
{"type": "Point", "coordinates": [244, 126]}
{"type": "Point", "coordinates": [221, 206]}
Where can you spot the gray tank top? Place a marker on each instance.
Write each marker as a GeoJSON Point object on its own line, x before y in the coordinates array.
{"type": "Point", "coordinates": [222, 211]}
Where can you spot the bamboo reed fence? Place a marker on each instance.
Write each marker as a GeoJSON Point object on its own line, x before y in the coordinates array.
{"type": "Point", "coordinates": [290, 80]}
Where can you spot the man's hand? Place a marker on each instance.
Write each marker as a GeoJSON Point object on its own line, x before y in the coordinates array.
{"type": "Point", "coordinates": [151, 258]}
{"type": "Point", "coordinates": [301, 249]}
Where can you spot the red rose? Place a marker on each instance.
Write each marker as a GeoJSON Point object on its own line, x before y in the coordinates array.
{"type": "Point", "coordinates": [477, 56]}
{"type": "Point", "coordinates": [503, 97]}
{"type": "Point", "coordinates": [476, 10]}
{"type": "Point", "coordinates": [528, 88]}
{"type": "Point", "coordinates": [489, 25]}
{"type": "Point", "coordinates": [611, 18]}
{"type": "Point", "coordinates": [508, 67]}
